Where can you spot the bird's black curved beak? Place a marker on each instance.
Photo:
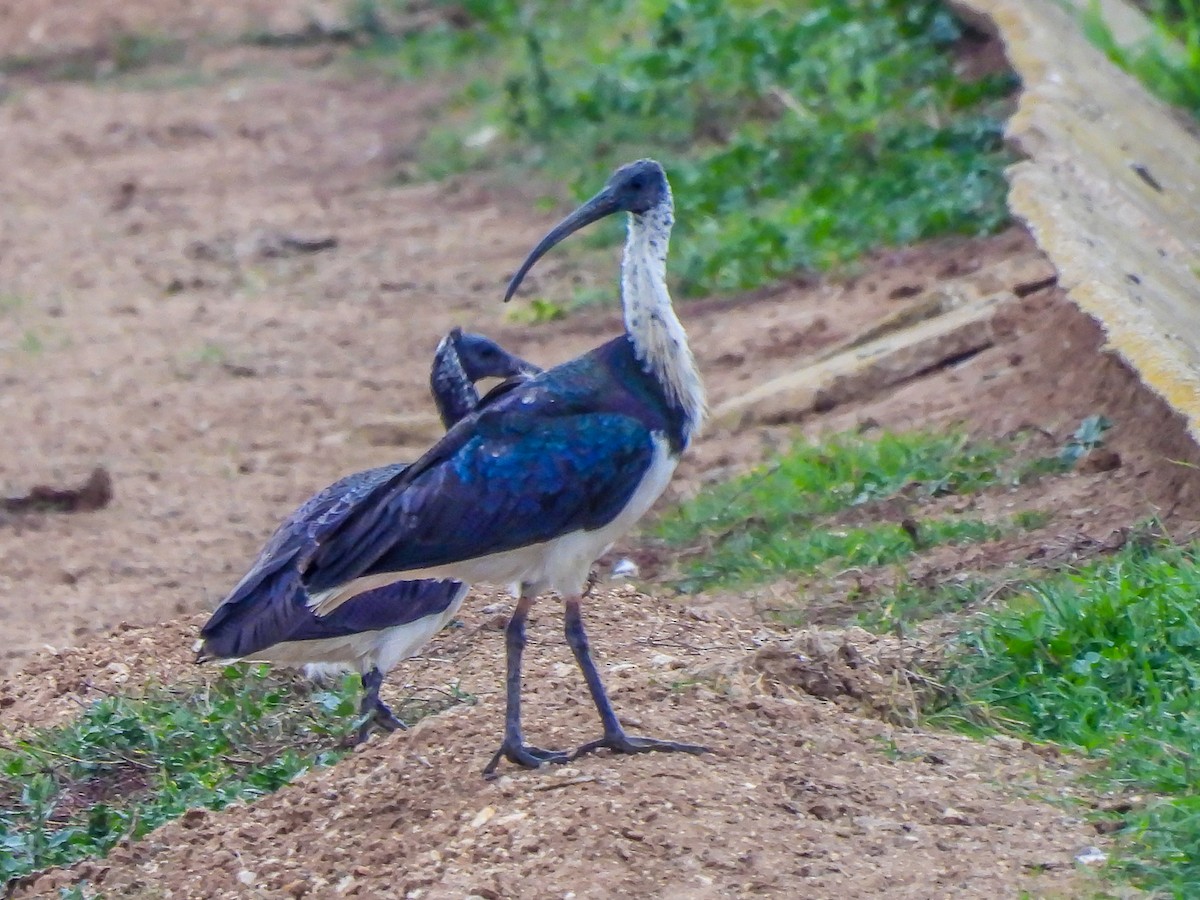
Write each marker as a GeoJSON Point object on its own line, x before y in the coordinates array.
{"type": "Point", "coordinates": [601, 205]}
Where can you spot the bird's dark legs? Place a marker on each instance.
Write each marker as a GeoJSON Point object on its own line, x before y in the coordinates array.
{"type": "Point", "coordinates": [514, 748]}
{"type": "Point", "coordinates": [577, 640]}
{"type": "Point", "coordinates": [614, 738]}
{"type": "Point", "coordinates": [374, 711]}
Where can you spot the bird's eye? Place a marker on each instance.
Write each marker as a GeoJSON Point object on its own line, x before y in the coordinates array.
{"type": "Point", "coordinates": [637, 183]}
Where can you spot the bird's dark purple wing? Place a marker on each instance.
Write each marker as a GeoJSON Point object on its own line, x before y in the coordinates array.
{"type": "Point", "coordinates": [398, 603]}
{"type": "Point", "coordinates": [520, 477]}
{"type": "Point", "coordinates": [269, 600]}
{"type": "Point", "coordinates": [280, 613]}
{"type": "Point", "coordinates": [563, 450]}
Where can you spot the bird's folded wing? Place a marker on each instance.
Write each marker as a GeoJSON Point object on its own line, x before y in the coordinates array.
{"type": "Point", "coordinates": [398, 603]}
{"type": "Point", "coordinates": [274, 576]}
{"type": "Point", "coordinates": [512, 482]}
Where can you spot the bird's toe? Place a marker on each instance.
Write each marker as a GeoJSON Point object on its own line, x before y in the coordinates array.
{"type": "Point", "coordinates": [525, 755]}
{"type": "Point", "coordinates": [387, 720]}
{"type": "Point", "coordinates": [623, 743]}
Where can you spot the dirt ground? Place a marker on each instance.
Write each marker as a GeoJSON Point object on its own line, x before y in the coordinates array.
{"type": "Point", "coordinates": [164, 314]}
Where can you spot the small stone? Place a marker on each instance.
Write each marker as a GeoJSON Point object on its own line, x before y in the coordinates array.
{"type": "Point", "coordinates": [1101, 459]}
{"type": "Point", "coordinates": [192, 818]}
{"type": "Point", "coordinates": [246, 877]}
{"type": "Point", "coordinates": [625, 568]}
{"type": "Point", "coordinates": [1091, 856]}
{"type": "Point", "coordinates": [497, 622]}
{"type": "Point", "coordinates": [297, 888]}
{"type": "Point", "coordinates": [823, 811]}
{"type": "Point", "coordinates": [483, 817]}
{"type": "Point", "coordinates": [952, 816]}
{"type": "Point", "coordinates": [477, 140]}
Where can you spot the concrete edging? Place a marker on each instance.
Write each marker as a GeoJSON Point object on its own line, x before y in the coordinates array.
{"type": "Point", "coordinates": [1111, 191]}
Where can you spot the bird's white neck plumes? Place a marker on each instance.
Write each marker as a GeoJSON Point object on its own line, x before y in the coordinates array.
{"type": "Point", "coordinates": [657, 334]}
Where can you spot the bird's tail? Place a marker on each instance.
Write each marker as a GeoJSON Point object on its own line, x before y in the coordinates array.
{"type": "Point", "coordinates": [255, 616]}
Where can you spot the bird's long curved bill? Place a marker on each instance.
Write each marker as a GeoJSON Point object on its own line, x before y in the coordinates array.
{"type": "Point", "coordinates": [603, 204]}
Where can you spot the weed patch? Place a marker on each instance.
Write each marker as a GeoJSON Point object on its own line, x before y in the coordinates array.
{"type": "Point", "coordinates": [128, 764]}
{"type": "Point", "coordinates": [780, 519]}
{"type": "Point", "coordinates": [911, 602]}
{"type": "Point", "coordinates": [797, 136]}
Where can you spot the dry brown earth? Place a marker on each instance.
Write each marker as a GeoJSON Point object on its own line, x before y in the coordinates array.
{"type": "Point", "coordinates": [155, 320]}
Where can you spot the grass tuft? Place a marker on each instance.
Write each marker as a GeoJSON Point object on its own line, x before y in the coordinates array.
{"type": "Point", "coordinates": [781, 518]}
{"type": "Point", "coordinates": [1105, 660]}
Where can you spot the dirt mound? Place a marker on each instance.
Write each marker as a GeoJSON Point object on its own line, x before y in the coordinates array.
{"type": "Point", "coordinates": [55, 683]}
{"type": "Point", "coordinates": [799, 796]}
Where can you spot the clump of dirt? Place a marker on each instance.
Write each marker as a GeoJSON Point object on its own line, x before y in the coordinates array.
{"type": "Point", "coordinates": [868, 674]}
{"type": "Point", "coordinates": [94, 493]}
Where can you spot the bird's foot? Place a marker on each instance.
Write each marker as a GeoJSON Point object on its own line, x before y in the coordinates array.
{"type": "Point", "coordinates": [623, 743]}
{"type": "Point", "coordinates": [380, 717]}
{"type": "Point", "coordinates": [386, 719]}
{"type": "Point", "coordinates": [516, 751]}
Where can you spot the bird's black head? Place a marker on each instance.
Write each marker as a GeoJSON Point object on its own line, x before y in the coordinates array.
{"type": "Point", "coordinates": [636, 188]}
{"type": "Point", "coordinates": [483, 358]}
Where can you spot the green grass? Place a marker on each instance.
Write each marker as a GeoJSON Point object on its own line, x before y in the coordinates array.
{"type": "Point", "coordinates": [1168, 62]}
{"type": "Point", "coordinates": [909, 603]}
{"type": "Point", "coordinates": [756, 555]}
{"type": "Point", "coordinates": [1105, 660]}
{"type": "Point", "coordinates": [128, 764]}
{"type": "Point", "coordinates": [10, 303]}
{"type": "Point", "coordinates": [774, 521]}
{"type": "Point", "coordinates": [1032, 519]}
{"type": "Point", "coordinates": [797, 135]}
{"type": "Point", "coordinates": [31, 342]}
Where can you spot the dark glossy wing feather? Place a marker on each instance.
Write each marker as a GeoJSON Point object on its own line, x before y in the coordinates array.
{"type": "Point", "coordinates": [399, 603]}
{"type": "Point", "coordinates": [271, 592]}
{"type": "Point", "coordinates": [512, 481]}
{"type": "Point", "coordinates": [280, 613]}
{"type": "Point", "coordinates": [559, 451]}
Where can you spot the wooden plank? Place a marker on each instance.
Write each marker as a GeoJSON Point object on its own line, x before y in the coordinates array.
{"type": "Point", "coordinates": [869, 367]}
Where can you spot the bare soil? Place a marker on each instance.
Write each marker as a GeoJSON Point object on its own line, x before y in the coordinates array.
{"type": "Point", "coordinates": [164, 315]}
